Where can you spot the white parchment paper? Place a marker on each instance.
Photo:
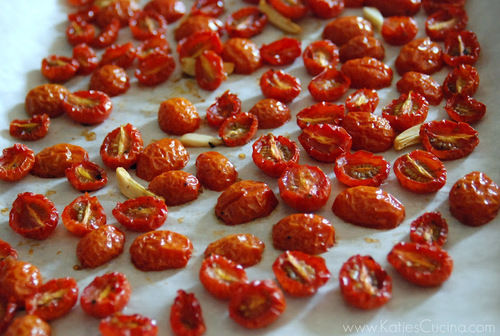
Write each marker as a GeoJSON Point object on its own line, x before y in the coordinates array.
{"type": "Point", "coordinates": [468, 303]}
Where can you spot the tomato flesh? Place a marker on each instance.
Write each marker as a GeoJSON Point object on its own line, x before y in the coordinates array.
{"type": "Point", "coordinates": [429, 228]}
{"type": "Point", "coordinates": [54, 299]}
{"type": "Point", "coordinates": [361, 168]}
{"type": "Point", "coordinates": [186, 318]}
{"type": "Point", "coordinates": [273, 155]}
{"type": "Point", "coordinates": [219, 274]}
{"type": "Point", "coordinates": [83, 215]}
{"type": "Point", "coordinates": [16, 162]}
{"type": "Point", "coordinates": [324, 142]}
{"type": "Point", "coordinates": [141, 214]}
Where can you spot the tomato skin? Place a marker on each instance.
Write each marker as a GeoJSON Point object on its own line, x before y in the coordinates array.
{"type": "Point", "coordinates": [176, 187]}
{"type": "Point", "coordinates": [364, 283]}
{"type": "Point", "coordinates": [46, 98]}
{"type": "Point", "coordinates": [246, 22]}
{"type": "Point", "coordinates": [7, 312]}
{"type": "Point", "coordinates": [33, 216]}
{"type": "Point", "coordinates": [370, 207]}
{"type": "Point", "coordinates": [73, 215]}
{"type": "Point", "coordinates": [224, 106]}
{"type": "Point", "coordinates": [219, 274]}
{"type": "Point", "coordinates": [155, 69]}
{"type": "Point", "coordinates": [28, 325]}
{"type": "Point", "coordinates": [325, 142]}
{"type": "Point", "coordinates": [86, 176]}
{"type": "Point", "coordinates": [433, 24]}
{"type": "Point", "coordinates": [320, 55]}
{"type": "Point", "coordinates": [361, 168]}
{"type": "Point", "coordinates": [132, 325]}
{"type": "Point", "coordinates": [110, 79]}
{"type": "Point", "coordinates": [194, 45]}
{"type": "Point", "coordinates": [88, 107]}
{"type": "Point", "coordinates": [16, 162]}
{"type": "Point", "coordinates": [273, 155]}
{"type": "Point", "coordinates": [106, 294]}
{"type": "Point", "coordinates": [329, 85]}
{"type": "Point", "coordinates": [461, 48]}
{"type": "Point", "coordinates": [406, 111]}
{"type": "Point", "coordinates": [344, 28]}
{"type": "Point", "coordinates": [160, 250]}
{"type": "Point", "coordinates": [423, 84]}
{"type": "Point", "coordinates": [161, 156]}
{"type": "Point", "coordinates": [87, 59]}
{"type": "Point", "coordinates": [474, 199]}
{"type": "Point", "coordinates": [215, 171]}
{"type": "Point", "coordinates": [448, 140]}
{"type": "Point", "coordinates": [271, 113]}
{"type": "Point", "coordinates": [243, 53]}
{"type": "Point", "coordinates": [121, 55]}
{"type": "Point", "coordinates": [18, 280]}
{"type": "Point", "coordinates": [100, 246]}
{"type": "Point", "coordinates": [244, 249]}
{"type": "Point", "coordinates": [196, 23]}
{"type": "Point", "coordinates": [395, 7]}
{"type": "Point", "coordinates": [141, 214]}
{"type": "Point", "coordinates": [410, 168]}
{"type": "Point", "coordinates": [178, 116]}
{"type": "Point", "coordinates": [63, 294]}
{"type": "Point", "coordinates": [146, 24]}
{"type": "Point", "coordinates": [325, 9]}
{"type": "Point", "coordinates": [80, 31]}
{"type": "Point", "coordinates": [293, 11]}
{"type": "Point", "coordinates": [368, 131]}
{"type": "Point", "coordinates": [281, 52]}
{"type": "Point", "coordinates": [209, 70]}
{"type": "Point", "coordinates": [256, 304]}
{"type": "Point", "coordinates": [320, 113]}
{"type": "Point", "coordinates": [362, 46]}
{"type": "Point", "coordinates": [308, 233]}
{"type": "Point", "coordinates": [186, 318]}
{"type": "Point", "coordinates": [279, 85]}
{"type": "Point", "coordinates": [121, 147]}
{"type": "Point", "coordinates": [171, 10]}
{"type": "Point", "coordinates": [245, 125]}
{"type": "Point", "coordinates": [213, 8]}
{"type": "Point", "coordinates": [245, 201]}
{"type": "Point", "coordinates": [367, 72]}
{"type": "Point", "coordinates": [108, 35]}
{"type": "Point", "coordinates": [362, 100]}
{"type": "Point", "coordinates": [399, 30]}
{"type": "Point", "coordinates": [59, 69]}
{"type": "Point", "coordinates": [420, 55]}
{"type": "Point", "coordinates": [53, 161]}
{"type": "Point", "coordinates": [289, 269]}
{"type": "Point", "coordinates": [463, 80]}
{"type": "Point", "coordinates": [436, 267]}
{"type": "Point", "coordinates": [463, 108]}
{"type": "Point", "coordinates": [429, 228]}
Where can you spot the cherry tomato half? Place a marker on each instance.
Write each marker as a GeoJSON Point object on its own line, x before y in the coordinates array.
{"type": "Point", "coordinates": [196, 23]}
{"type": "Point", "coordinates": [133, 325]}
{"type": "Point", "coordinates": [320, 55]}
{"type": "Point", "coordinates": [325, 142]}
{"type": "Point", "coordinates": [279, 85]}
{"type": "Point", "coordinates": [212, 8]}
{"type": "Point", "coordinates": [80, 31]}
{"type": "Point", "coordinates": [445, 21]}
{"type": "Point", "coordinates": [186, 318]}
{"type": "Point", "coordinates": [406, 111]}
{"type": "Point", "coordinates": [238, 129]}
{"type": "Point", "coordinates": [420, 55]}
{"type": "Point", "coordinates": [28, 324]}
{"type": "Point", "coordinates": [100, 246]}
{"type": "Point", "coordinates": [362, 100]}
{"type": "Point", "coordinates": [155, 69]}
{"type": "Point", "coordinates": [141, 214]}
{"type": "Point", "coordinates": [243, 53]}
{"type": "Point", "coordinates": [280, 52]}
{"type": "Point", "coordinates": [83, 215]}
{"type": "Point", "coordinates": [463, 108]}
{"type": "Point", "coordinates": [86, 57]}
{"type": "Point", "coordinates": [344, 28]}
{"type": "Point", "coordinates": [244, 249]}
{"type": "Point", "coordinates": [171, 10]}
{"type": "Point", "coordinates": [423, 84]}
{"type": "Point", "coordinates": [463, 79]}
{"type": "Point", "coordinates": [429, 228]}
{"type": "Point", "coordinates": [364, 283]}
{"type": "Point", "coordinates": [399, 30]}
{"type": "Point", "coordinates": [219, 274]}
{"type": "Point", "coordinates": [461, 48]}
{"type": "Point", "coordinates": [225, 105]}
{"type": "Point", "coordinates": [176, 187]}
{"type": "Point", "coordinates": [7, 312]}
{"type": "Point", "coordinates": [121, 55]}
{"type": "Point", "coordinates": [18, 281]}
{"type": "Point", "coordinates": [246, 22]}
{"type": "Point", "coordinates": [361, 168]}
{"type": "Point", "coordinates": [178, 116]}
{"type": "Point", "coordinates": [215, 171]}
{"type": "Point", "coordinates": [274, 154]}
{"type": "Point", "coordinates": [86, 176]}
{"type": "Point", "coordinates": [367, 72]}
{"type": "Point", "coordinates": [110, 79]}
{"type": "Point", "coordinates": [88, 107]}
{"type": "Point", "coordinates": [16, 162]}
{"type": "Point", "coordinates": [46, 98]}
{"type": "Point", "coordinates": [395, 7]}
{"type": "Point", "coordinates": [108, 35]}
{"type": "Point", "coordinates": [194, 45]}
{"type": "Point", "coordinates": [320, 113]}
{"type": "Point", "coordinates": [362, 46]}
{"type": "Point", "coordinates": [59, 68]}
{"type": "Point", "coordinates": [146, 24]}
{"type": "Point", "coordinates": [300, 274]}
{"type": "Point", "coordinates": [153, 45]}
{"type": "Point", "coordinates": [209, 70]}
{"type": "Point", "coordinates": [271, 113]}
{"type": "Point", "coordinates": [368, 131]}
{"type": "Point", "coordinates": [121, 147]}
{"type": "Point", "coordinates": [432, 6]}
{"type": "Point", "coordinates": [329, 85]}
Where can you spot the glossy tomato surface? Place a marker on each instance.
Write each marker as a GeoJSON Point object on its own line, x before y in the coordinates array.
{"type": "Point", "coordinates": [367, 72]}
{"type": "Point", "coordinates": [429, 228]}
{"type": "Point", "coordinates": [83, 215]}
{"type": "Point", "coordinates": [463, 108]}
{"type": "Point", "coordinates": [244, 249]}
{"type": "Point", "coordinates": [18, 280]}
{"type": "Point", "coordinates": [423, 84]}
{"type": "Point", "coordinates": [361, 168]}
{"type": "Point", "coordinates": [320, 113]}
{"type": "Point", "coordinates": [99, 246]}
{"type": "Point", "coordinates": [28, 325]}
{"type": "Point", "coordinates": [121, 147]}
{"type": "Point", "coordinates": [219, 275]}
{"type": "Point", "coordinates": [271, 113]}
{"type": "Point", "coordinates": [31, 129]}
{"type": "Point", "coordinates": [238, 129]}
{"type": "Point", "coordinates": [320, 55]}
{"type": "Point", "coordinates": [161, 156]}
{"type": "Point", "coordinates": [133, 325]}
{"type": "Point", "coordinates": [86, 176]}
{"type": "Point", "coordinates": [368, 131]}
{"type": "Point", "coordinates": [420, 55]}
{"type": "Point", "coordinates": [215, 171]}
{"type": "Point", "coordinates": [274, 154]}
{"type": "Point", "coordinates": [178, 116]}
{"type": "Point", "coordinates": [406, 111]}
{"type": "Point", "coordinates": [420, 172]}
{"type": "Point", "coordinates": [54, 160]}
{"type": "Point", "coordinates": [16, 162]}
{"type": "Point", "coordinates": [141, 214]}
{"type": "Point", "coordinates": [46, 98]}
{"type": "Point", "coordinates": [176, 187]}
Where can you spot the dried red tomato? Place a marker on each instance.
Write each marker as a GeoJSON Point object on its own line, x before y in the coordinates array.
{"type": "Point", "coordinates": [86, 57]}
{"type": "Point", "coordinates": [361, 168]}
{"type": "Point", "coordinates": [463, 80]}
{"type": "Point", "coordinates": [362, 100]}
{"type": "Point", "coordinates": [448, 140]}
{"type": "Point", "coordinates": [80, 31]}
{"type": "Point", "coordinates": [256, 304]}
{"type": "Point", "coordinates": [445, 21]}
{"type": "Point", "coordinates": [106, 294]}
{"type": "Point", "coordinates": [344, 28]}
{"type": "Point", "coordinates": [364, 283]}
{"type": "Point", "coordinates": [171, 10]}
{"type": "Point", "coordinates": [53, 161]}
{"type": "Point", "coordinates": [16, 162]}
{"type": "Point", "coordinates": [422, 264]}
{"type": "Point", "coordinates": [83, 215]}
{"type": "Point", "coordinates": [28, 324]}
{"type": "Point", "coordinates": [461, 48]}
{"type": "Point", "coordinates": [46, 98]}
{"type": "Point", "coordinates": [406, 111]}
{"type": "Point", "coordinates": [108, 35]}
{"type": "Point", "coordinates": [271, 113]}
{"type": "Point", "coordinates": [18, 281]}
{"type": "Point", "coordinates": [109, 10]}
{"type": "Point", "coordinates": [475, 199]}
{"type": "Point", "coordinates": [395, 7]}
{"type": "Point", "coordinates": [176, 187]}
{"type": "Point", "coordinates": [238, 129]}
{"type": "Point", "coordinates": [369, 207]}
{"type": "Point", "coordinates": [329, 85]}
{"type": "Point", "coordinates": [399, 30]}
{"type": "Point", "coordinates": [320, 55]}
{"type": "Point", "coordinates": [279, 85]}
{"type": "Point", "coordinates": [155, 69]}
{"type": "Point", "coordinates": [368, 131]}
{"type": "Point", "coordinates": [246, 22]}
{"type": "Point", "coordinates": [33, 216]}
{"type": "Point", "coordinates": [59, 68]}
{"type": "Point", "coordinates": [420, 172]}
{"type": "Point", "coordinates": [429, 228]}
{"type": "Point", "coordinates": [194, 45]}
{"type": "Point", "coordinates": [196, 23]}
{"type": "Point", "coordinates": [100, 246]}
{"type": "Point", "coordinates": [122, 55]}
{"type": "Point", "coordinates": [362, 46]}
{"type": "Point", "coordinates": [423, 84]}
{"type": "Point", "coordinates": [161, 156]}
{"type": "Point", "coordinates": [281, 52]}
{"type": "Point", "coordinates": [53, 299]}
{"type": "Point", "coordinates": [86, 176]}
{"type": "Point", "coordinates": [420, 55]}
{"type": "Point", "coordinates": [244, 249]}
{"type": "Point", "coordinates": [119, 324]}
{"type": "Point", "coordinates": [88, 107]}
{"type": "Point", "coordinates": [463, 108]}
{"type": "Point", "coordinates": [273, 155]}
{"type": "Point", "coordinates": [146, 24]}
{"type": "Point", "coordinates": [325, 142]}
{"type": "Point", "coordinates": [212, 8]}
{"type": "Point", "coordinates": [367, 72]}
{"type": "Point", "coordinates": [160, 250]}
{"type": "Point", "coordinates": [110, 79]}
{"type": "Point", "coordinates": [186, 318]}
{"type": "Point", "coordinates": [178, 116]}
{"type": "Point", "coordinates": [153, 45]}
{"type": "Point", "coordinates": [121, 147]}
{"type": "Point", "coordinates": [141, 214]}
{"type": "Point", "coordinates": [326, 9]}
{"type": "Point", "coordinates": [219, 275]}
{"type": "Point", "coordinates": [320, 113]}
{"type": "Point", "coordinates": [209, 70]}
{"type": "Point", "coordinates": [224, 106]}
{"type": "Point", "coordinates": [243, 53]}
{"type": "Point", "coordinates": [215, 171]}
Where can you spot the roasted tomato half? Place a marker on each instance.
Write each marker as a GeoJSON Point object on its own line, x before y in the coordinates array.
{"type": "Point", "coordinates": [271, 113]}
{"type": "Point", "coordinates": [146, 24]}
{"type": "Point", "coordinates": [273, 155]}
{"type": "Point", "coordinates": [161, 156]}
{"type": "Point", "coordinates": [342, 29]}
{"type": "Point", "coordinates": [110, 79]}
{"type": "Point", "coordinates": [28, 325]}
{"type": "Point", "coordinates": [141, 214]}
{"type": "Point", "coordinates": [321, 113]}
{"type": "Point", "coordinates": [155, 69]}
{"type": "Point", "coordinates": [293, 10]}
{"type": "Point", "coordinates": [406, 111]}
{"type": "Point", "coordinates": [329, 85]}
{"type": "Point", "coordinates": [18, 280]}
{"type": "Point", "coordinates": [224, 106]}
{"type": "Point", "coordinates": [325, 142]}
{"type": "Point", "coordinates": [246, 22]}
{"type": "Point", "coordinates": [429, 228]}
{"type": "Point", "coordinates": [281, 52]}
{"type": "Point", "coordinates": [362, 46]}
{"type": "Point", "coordinates": [209, 70]}
{"type": "Point", "coordinates": [362, 100]}
{"type": "Point", "coordinates": [219, 275]}
{"type": "Point", "coordinates": [361, 168]}
{"type": "Point", "coordinates": [215, 171]}
{"type": "Point", "coordinates": [445, 21]}
{"type": "Point", "coordinates": [238, 129]}
{"type": "Point", "coordinates": [368, 131]}
{"type": "Point", "coordinates": [119, 324]}
{"type": "Point", "coordinates": [176, 187]}
{"type": "Point", "coordinates": [399, 30]}
{"type": "Point", "coordinates": [53, 161]}
{"type": "Point", "coordinates": [320, 55]}
{"type": "Point", "coordinates": [171, 10]}
{"type": "Point", "coordinates": [99, 246]}
{"type": "Point", "coordinates": [46, 98]}
{"type": "Point", "coordinates": [279, 85]}
{"type": "Point", "coordinates": [423, 84]}
{"type": "Point", "coordinates": [31, 129]}
{"type": "Point", "coordinates": [243, 53]}
{"type": "Point", "coordinates": [59, 69]}
{"type": "Point", "coordinates": [244, 249]}
{"type": "Point", "coordinates": [326, 9]}
{"type": "Point", "coordinates": [186, 317]}
{"type": "Point", "coordinates": [178, 116]}
{"type": "Point", "coordinates": [463, 80]}
{"type": "Point", "coordinates": [463, 108]}
{"type": "Point", "coordinates": [420, 55]}
{"type": "Point", "coordinates": [83, 215]}
{"type": "Point", "coordinates": [121, 147]}
{"type": "Point", "coordinates": [367, 72]}
{"type": "Point", "coordinates": [86, 176]}
{"type": "Point", "coordinates": [16, 162]}
{"type": "Point", "coordinates": [461, 48]}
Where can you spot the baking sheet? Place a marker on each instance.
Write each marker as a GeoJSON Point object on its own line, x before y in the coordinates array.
{"type": "Point", "coordinates": [466, 304]}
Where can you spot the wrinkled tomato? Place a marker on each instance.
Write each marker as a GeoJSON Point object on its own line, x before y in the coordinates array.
{"type": "Point", "coordinates": [395, 7]}
{"type": "Point", "coordinates": [153, 45]}
{"type": "Point", "coordinates": [171, 10]}
{"type": "Point", "coordinates": [344, 28]}
{"type": "Point", "coordinates": [423, 84]}
{"type": "Point", "coordinates": [463, 108]}
{"type": "Point", "coordinates": [215, 171]}
{"type": "Point", "coordinates": [281, 52]}
{"type": "Point", "coordinates": [243, 53]}
{"type": "Point", "coordinates": [80, 31]}
{"type": "Point", "coordinates": [246, 22]}
{"type": "Point", "coordinates": [406, 111]}
{"type": "Point", "coordinates": [320, 113]}
{"type": "Point", "coordinates": [46, 98]}
{"type": "Point", "coordinates": [176, 187]}
{"type": "Point", "coordinates": [53, 161]}
{"type": "Point", "coordinates": [110, 10]}
{"type": "Point", "coordinates": [399, 30]}
{"type": "Point", "coordinates": [86, 176]}
{"type": "Point", "coordinates": [59, 68]}
{"type": "Point", "coordinates": [362, 100]}
{"type": "Point", "coordinates": [367, 72]}
{"type": "Point", "coordinates": [238, 129]}
{"type": "Point", "coordinates": [219, 275]}
{"type": "Point", "coordinates": [213, 8]}
{"type": "Point", "coordinates": [178, 116]}
{"type": "Point", "coordinates": [244, 249]}
{"type": "Point", "coordinates": [271, 113]}
{"type": "Point", "coordinates": [16, 162]}
{"type": "Point", "coordinates": [83, 215]}
{"type": "Point", "coordinates": [325, 142]}
{"type": "Point", "coordinates": [108, 35]}
{"type": "Point", "coordinates": [320, 55]}
{"type": "Point", "coordinates": [155, 69]}
{"type": "Point", "coordinates": [194, 45]}
{"type": "Point", "coordinates": [329, 85]}
{"type": "Point", "coordinates": [429, 228]}
{"type": "Point", "coordinates": [462, 80]}
{"type": "Point", "coordinates": [445, 21]}
{"type": "Point", "coordinates": [362, 46]}
{"type": "Point", "coordinates": [186, 318]}
{"type": "Point", "coordinates": [110, 79]}
{"type": "Point", "coordinates": [147, 24]}
{"type": "Point", "coordinates": [28, 325]}
{"type": "Point", "coordinates": [420, 55]}
{"type": "Point", "coordinates": [88, 107]}
{"type": "Point", "coordinates": [461, 48]}
{"type": "Point", "coordinates": [121, 55]}
{"type": "Point", "coordinates": [224, 106]}
{"type": "Point", "coordinates": [100, 246]}
{"type": "Point", "coordinates": [279, 85]}
{"type": "Point", "coordinates": [121, 147]}
{"type": "Point", "coordinates": [141, 214]}
{"type": "Point", "coordinates": [274, 154]}
{"type": "Point", "coordinates": [18, 281]}
{"type": "Point", "coordinates": [361, 168]}
{"type": "Point", "coordinates": [368, 131]}
{"type": "Point", "coordinates": [196, 23]}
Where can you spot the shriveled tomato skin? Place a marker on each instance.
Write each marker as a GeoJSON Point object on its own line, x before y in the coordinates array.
{"type": "Point", "coordinates": [225, 106]}
{"type": "Point", "coordinates": [362, 46]}
{"type": "Point", "coordinates": [178, 116]}
{"type": "Point", "coordinates": [463, 108]}
{"type": "Point", "coordinates": [308, 233]}
{"type": "Point", "coordinates": [219, 274]}
{"type": "Point", "coordinates": [246, 125]}
{"type": "Point", "coordinates": [271, 113]}
{"type": "Point", "coordinates": [423, 84]}
{"type": "Point", "coordinates": [399, 30]}
{"type": "Point", "coordinates": [130, 215]}
{"type": "Point", "coordinates": [402, 258]}
{"type": "Point", "coordinates": [160, 250]}
{"type": "Point", "coordinates": [321, 113]}
{"type": "Point", "coordinates": [18, 280]}
{"type": "Point", "coordinates": [280, 52]}
{"type": "Point", "coordinates": [324, 142]}
{"type": "Point", "coordinates": [461, 48]}
{"type": "Point", "coordinates": [429, 228]}
{"type": "Point", "coordinates": [464, 80]}
{"type": "Point", "coordinates": [342, 29]}
{"type": "Point", "coordinates": [319, 55]}
{"type": "Point", "coordinates": [361, 168]}
{"type": "Point", "coordinates": [100, 246]}
{"type": "Point", "coordinates": [31, 129]}
{"type": "Point", "coordinates": [329, 85]}
{"type": "Point", "coordinates": [243, 53]}
{"type": "Point", "coordinates": [155, 68]}
{"type": "Point", "coordinates": [81, 182]}
{"type": "Point", "coordinates": [367, 72]}
{"type": "Point", "coordinates": [406, 111]}
{"type": "Point", "coordinates": [110, 79]}
{"type": "Point", "coordinates": [368, 131]}
{"type": "Point", "coordinates": [176, 187]}
{"type": "Point", "coordinates": [215, 171]}
{"type": "Point", "coordinates": [110, 148]}
{"type": "Point", "coordinates": [160, 156]}
{"type": "Point", "coordinates": [245, 201]}
{"type": "Point", "coordinates": [420, 55]}
{"type": "Point", "coordinates": [46, 98]}
{"type": "Point", "coordinates": [458, 16]}
{"type": "Point", "coordinates": [273, 155]}
{"type": "Point", "coordinates": [28, 325]}
{"type": "Point", "coordinates": [73, 215]}
{"type": "Point", "coordinates": [244, 249]}
{"type": "Point", "coordinates": [53, 161]}
{"type": "Point", "coordinates": [369, 207]}
{"type": "Point", "coordinates": [475, 199]}
{"type": "Point", "coordinates": [133, 325]}
{"type": "Point", "coordinates": [257, 22]}
{"type": "Point", "coordinates": [353, 277]}
{"type": "Point", "coordinates": [16, 162]}
{"type": "Point", "coordinates": [280, 85]}
{"type": "Point", "coordinates": [186, 318]}
{"type": "Point", "coordinates": [395, 7]}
